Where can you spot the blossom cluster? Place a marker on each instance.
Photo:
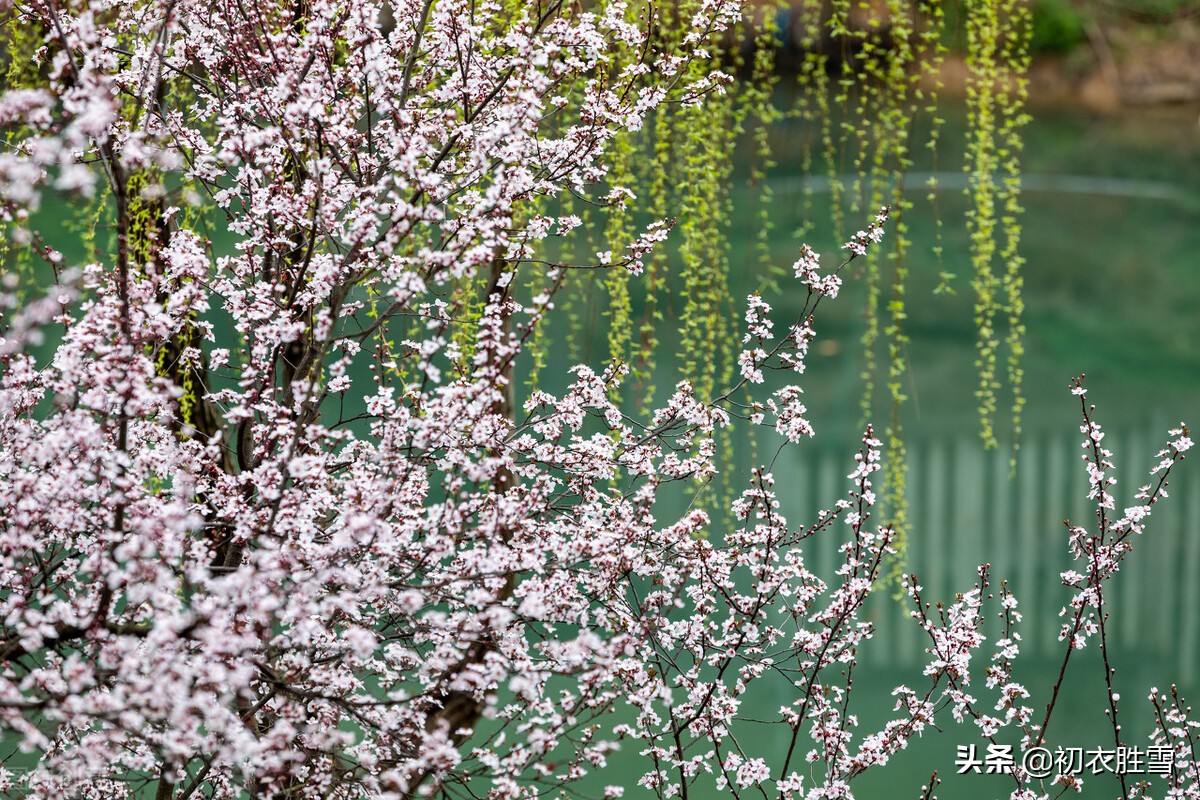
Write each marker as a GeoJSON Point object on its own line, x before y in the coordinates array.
{"type": "Point", "coordinates": [273, 519]}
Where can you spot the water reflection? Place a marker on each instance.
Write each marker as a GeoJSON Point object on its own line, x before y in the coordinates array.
{"type": "Point", "coordinates": [967, 507]}
{"type": "Point", "coordinates": [1090, 185]}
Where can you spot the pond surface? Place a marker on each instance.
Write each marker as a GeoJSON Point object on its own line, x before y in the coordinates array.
{"type": "Point", "coordinates": [1111, 236]}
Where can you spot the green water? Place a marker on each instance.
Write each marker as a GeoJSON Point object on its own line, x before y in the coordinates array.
{"type": "Point", "coordinates": [1112, 286]}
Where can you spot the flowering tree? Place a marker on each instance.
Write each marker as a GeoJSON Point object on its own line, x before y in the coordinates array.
{"type": "Point", "coordinates": [272, 522]}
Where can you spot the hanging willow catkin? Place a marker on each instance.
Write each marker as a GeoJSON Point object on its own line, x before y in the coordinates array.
{"type": "Point", "coordinates": [998, 55]}
{"type": "Point", "coordinates": [865, 74]}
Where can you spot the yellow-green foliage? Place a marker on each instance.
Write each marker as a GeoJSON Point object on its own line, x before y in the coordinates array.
{"type": "Point", "coordinates": [680, 167]}
{"type": "Point", "coordinates": [868, 76]}
{"type": "Point", "coordinates": [705, 138]}
{"type": "Point", "coordinates": [172, 358]}
{"type": "Point", "coordinates": [21, 71]}
{"type": "Point", "coordinates": [657, 183]}
{"type": "Point", "coordinates": [879, 56]}
{"type": "Point", "coordinates": [757, 112]}
{"type": "Point", "coordinates": [866, 72]}
{"type": "Point", "coordinates": [998, 56]}
{"type": "Point", "coordinates": [618, 234]}
{"type": "Point", "coordinates": [145, 215]}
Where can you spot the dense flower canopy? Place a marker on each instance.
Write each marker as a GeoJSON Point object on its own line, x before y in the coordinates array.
{"type": "Point", "coordinates": [272, 521]}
